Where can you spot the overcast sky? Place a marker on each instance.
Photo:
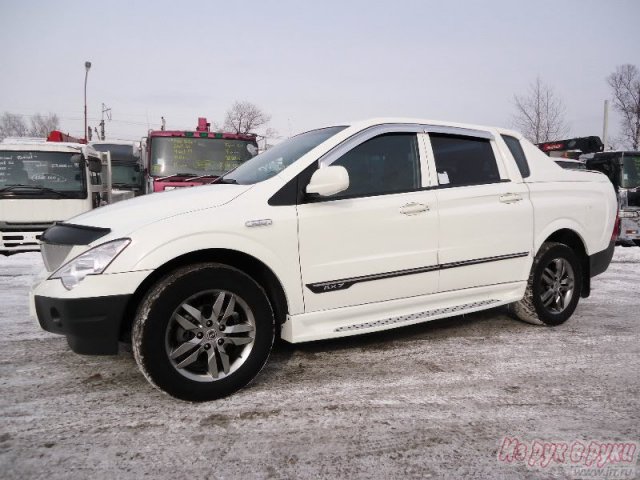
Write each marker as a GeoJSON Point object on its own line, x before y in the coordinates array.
{"type": "Point", "coordinates": [310, 64]}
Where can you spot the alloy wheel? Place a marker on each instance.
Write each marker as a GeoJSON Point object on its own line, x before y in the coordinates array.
{"type": "Point", "coordinates": [210, 335]}
{"type": "Point", "coordinates": [558, 284]}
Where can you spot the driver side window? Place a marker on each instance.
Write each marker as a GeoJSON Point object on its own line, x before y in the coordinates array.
{"type": "Point", "coordinates": [385, 164]}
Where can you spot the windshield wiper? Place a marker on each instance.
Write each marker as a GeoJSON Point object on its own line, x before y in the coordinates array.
{"type": "Point", "coordinates": [226, 180]}
{"type": "Point", "coordinates": [12, 187]}
{"type": "Point", "coordinates": [176, 175]}
{"type": "Point", "coordinates": [34, 187]}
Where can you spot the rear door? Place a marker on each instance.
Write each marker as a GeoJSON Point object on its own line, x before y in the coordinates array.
{"type": "Point", "coordinates": [485, 217]}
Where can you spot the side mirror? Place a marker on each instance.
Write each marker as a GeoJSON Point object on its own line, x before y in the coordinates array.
{"type": "Point", "coordinates": [136, 168]}
{"type": "Point", "coordinates": [329, 181]}
{"type": "Point", "coordinates": [95, 165]}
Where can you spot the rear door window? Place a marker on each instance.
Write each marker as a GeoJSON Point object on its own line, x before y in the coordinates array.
{"type": "Point", "coordinates": [463, 161]}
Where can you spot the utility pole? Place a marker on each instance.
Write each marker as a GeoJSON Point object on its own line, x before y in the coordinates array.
{"type": "Point", "coordinates": [87, 66]}
{"type": "Point", "coordinates": [108, 112]}
{"type": "Point", "coordinates": [605, 126]}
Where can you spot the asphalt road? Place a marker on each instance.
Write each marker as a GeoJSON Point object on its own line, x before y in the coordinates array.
{"type": "Point", "coordinates": [430, 401]}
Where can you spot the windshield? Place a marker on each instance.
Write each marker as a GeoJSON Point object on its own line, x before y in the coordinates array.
{"type": "Point", "coordinates": [198, 156]}
{"type": "Point", "coordinates": [277, 158]}
{"type": "Point", "coordinates": [630, 171]}
{"type": "Point", "coordinates": [122, 153]}
{"type": "Point", "coordinates": [58, 171]}
{"type": "Point", "coordinates": [125, 176]}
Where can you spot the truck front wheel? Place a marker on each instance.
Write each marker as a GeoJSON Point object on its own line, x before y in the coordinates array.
{"type": "Point", "coordinates": [203, 332]}
{"type": "Point", "coordinates": [553, 288]}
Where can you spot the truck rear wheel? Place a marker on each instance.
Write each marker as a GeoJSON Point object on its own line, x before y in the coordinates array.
{"type": "Point", "coordinates": [553, 288]}
{"type": "Point", "coordinates": [203, 332]}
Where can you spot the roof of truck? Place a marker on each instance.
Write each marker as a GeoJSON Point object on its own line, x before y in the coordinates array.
{"type": "Point", "coordinates": [115, 142]}
{"type": "Point", "coordinates": [44, 146]}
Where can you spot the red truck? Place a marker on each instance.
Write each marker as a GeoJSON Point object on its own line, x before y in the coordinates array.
{"type": "Point", "coordinates": [186, 158]}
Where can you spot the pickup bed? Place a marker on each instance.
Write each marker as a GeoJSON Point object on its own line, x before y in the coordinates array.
{"type": "Point", "coordinates": [337, 231]}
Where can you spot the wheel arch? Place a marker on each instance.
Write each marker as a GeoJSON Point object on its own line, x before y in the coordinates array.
{"type": "Point", "coordinates": [250, 265]}
{"type": "Point", "coordinates": [574, 240]}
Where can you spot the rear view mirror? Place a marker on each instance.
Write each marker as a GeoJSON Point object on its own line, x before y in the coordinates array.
{"type": "Point", "coordinates": [95, 165]}
{"type": "Point", "coordinates": [329, 181]}
{"type": "Point", "coordinates": [136, 168]}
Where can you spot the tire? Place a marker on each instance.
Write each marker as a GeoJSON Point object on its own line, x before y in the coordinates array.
{"type": "Point", "coordinates": [551, 296]}
{"type": "Point", "coordinates": [637, 242]}
{"type": "Point", "coordinates": [203, 332]}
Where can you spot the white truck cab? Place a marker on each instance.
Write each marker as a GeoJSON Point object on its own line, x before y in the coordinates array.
{"type": "Point", "coordinates": [337, 231]}
{"type": "Point", "coordinates": [44, 182]}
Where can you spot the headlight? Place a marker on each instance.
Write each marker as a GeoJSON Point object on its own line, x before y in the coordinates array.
{"type": "Point", "coordinates": [91, 262]}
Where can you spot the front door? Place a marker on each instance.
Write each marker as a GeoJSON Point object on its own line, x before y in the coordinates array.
{"type": "Point", "coordinates": [378, 240]}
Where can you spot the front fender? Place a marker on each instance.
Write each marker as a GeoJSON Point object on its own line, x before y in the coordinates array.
{"type": "Point", "coordinates": [156, 250]}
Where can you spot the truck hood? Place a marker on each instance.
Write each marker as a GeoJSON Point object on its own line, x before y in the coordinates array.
{"type": "Point", "coordinates": [129, 215]}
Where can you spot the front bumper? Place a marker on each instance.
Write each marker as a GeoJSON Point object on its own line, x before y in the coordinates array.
{"type": "Point", "coordinates": [16, 237]}
{"type": "Point", "coordinates": [91, 315]}
{"type": "Point", "coordinates": [19, 241]}
{"type": "Point", "coordinates": [91, 325]}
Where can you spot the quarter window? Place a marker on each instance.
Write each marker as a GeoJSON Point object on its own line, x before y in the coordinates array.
{"type": "Point", "coordinates": [518, 154]}
{"type": "Point", "coordinates": [387, 163]}
{"type": "Point", "coordinates": [464, 160]}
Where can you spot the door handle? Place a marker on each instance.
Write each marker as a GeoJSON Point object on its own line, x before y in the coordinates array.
{"type": "Point", "coordinates": [510, 198]}
{"type": "Point", "coordinates": [413, 208]}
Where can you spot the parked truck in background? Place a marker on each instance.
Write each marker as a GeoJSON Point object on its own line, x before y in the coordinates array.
{"type": "Point", "coordinates": [126, 167]}
{"type": "Point", "coordinates": [47, 181]}
{"type": "Point", "coordinates": [182, 158]}
{"type": "Point", "coordinates": [623, 169]}
{"type": "Point", "coordinates": [567, 153]}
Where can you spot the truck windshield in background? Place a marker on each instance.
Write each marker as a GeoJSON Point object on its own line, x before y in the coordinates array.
{"type": "Point", "coordinates": [125, 164]}
{"type": "Point", "coordinates": [119, 152]}
{"type": "Point", "coordinates": [196, 156]}
{"type": "Point", "coordinates": [125, 175]}
{"type": "Point", "coordinates": [42, 174]}
{"type": "Point", "coordinates": [630, 171]}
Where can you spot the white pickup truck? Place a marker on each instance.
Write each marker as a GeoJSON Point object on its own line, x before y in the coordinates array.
{"type": "Point", "coordinates": [337, 231]}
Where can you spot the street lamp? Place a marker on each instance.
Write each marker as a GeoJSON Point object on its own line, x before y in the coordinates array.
{"type": "Point", "coordinates": [87, 66]}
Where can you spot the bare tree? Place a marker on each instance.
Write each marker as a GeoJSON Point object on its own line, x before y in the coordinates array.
{"type": "Point", "coordinates": [12, 125]}
{"type": "Point", "coordinates": [245, 117]}
{"type": "Point", "coordinates": [625, 84]}
{"type": "Point", "coordinates": [540, 114]}
{"type": "Point", "coordinates": [41, 125]}
{"type": "Point", "coordinates": [266, 136]}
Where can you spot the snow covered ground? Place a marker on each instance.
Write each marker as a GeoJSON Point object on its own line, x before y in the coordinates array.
{"type": "Point", "coordinates": [429, 401]}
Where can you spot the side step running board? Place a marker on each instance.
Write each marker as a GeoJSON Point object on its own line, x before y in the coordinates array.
{"type": "Point", "coordinates": [416, 316]}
